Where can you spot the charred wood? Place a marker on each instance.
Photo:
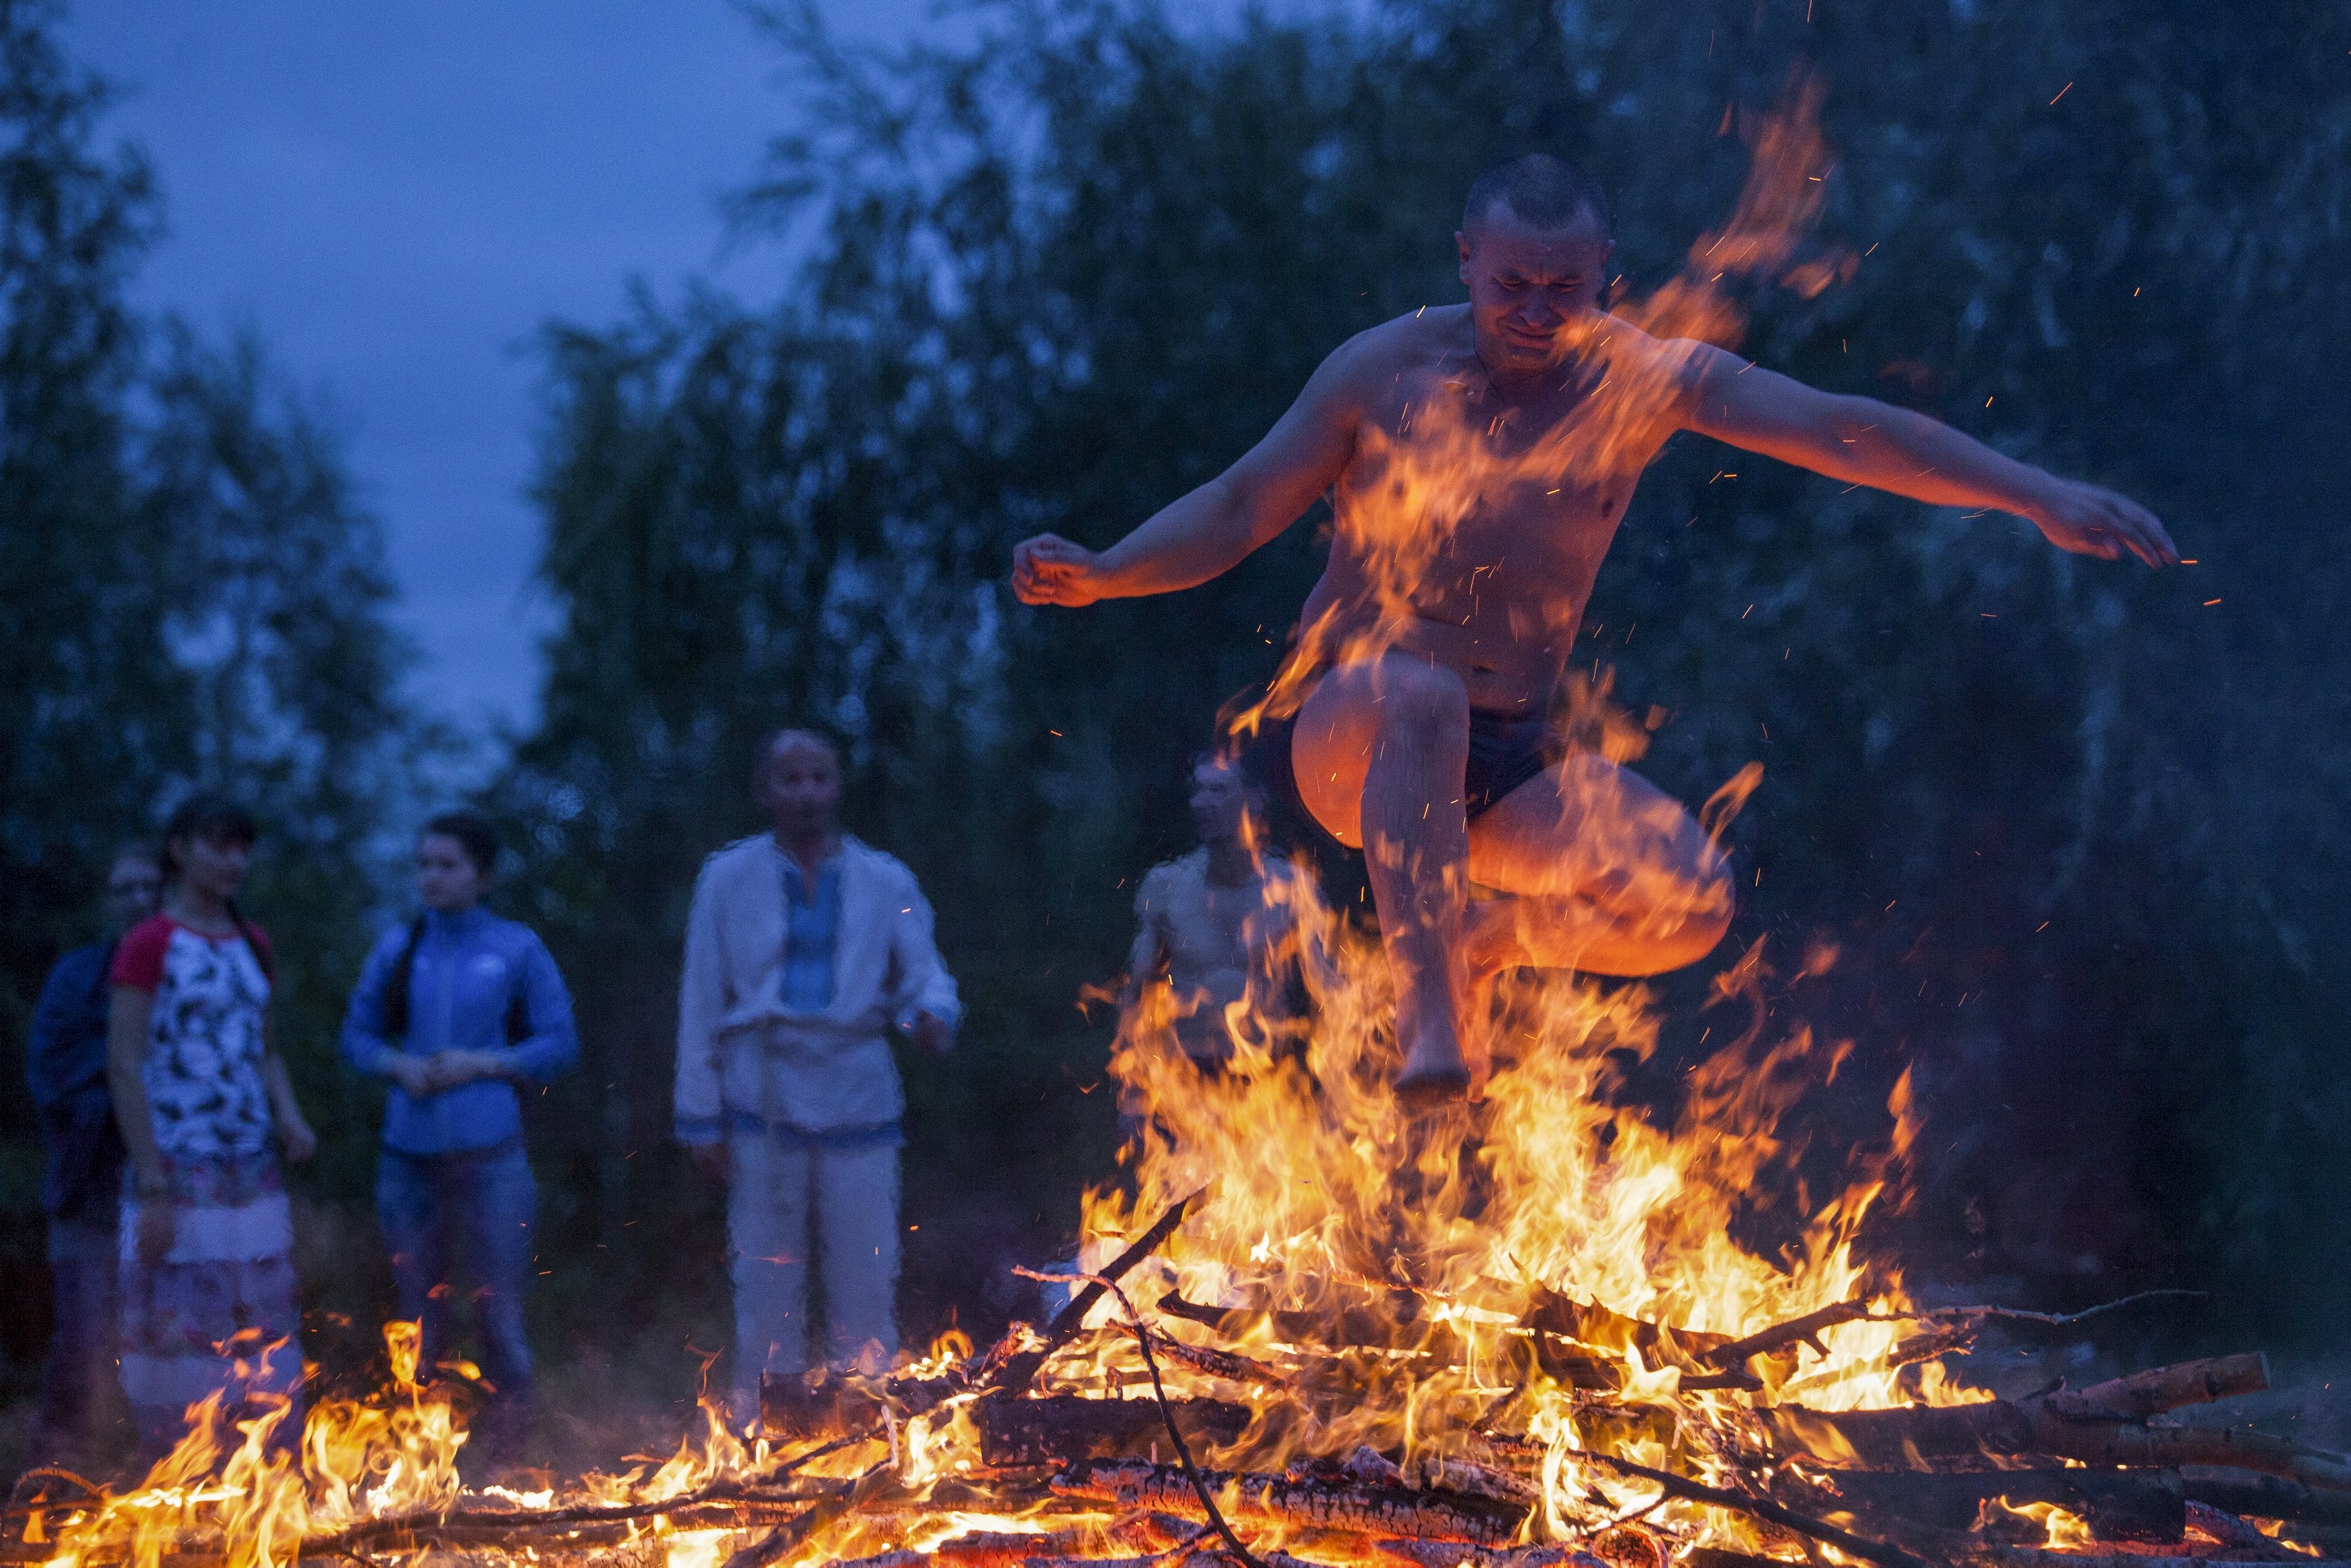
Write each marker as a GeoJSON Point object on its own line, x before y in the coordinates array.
{"type": "Point", "coordinates": [792, 1410]}
{"type": "Point", "coordinates": [1455, 1555]}
{"type": "Point", "coordinates": [1716, 1557]}
{"type": "Point", "coordinates": [997, 1548]}
{"type": "Point", "coordinates": [1909, 1438]}
{"type": "Point", "coordinates": [1563, 1324]}
{"type": "Point", "coordinates": [2233, 1533]}
{"type": "Point", "coordinates": [1058, 1429]}
{"type": "Point", "coordinates": [1804, 1330]}
{"type": "Point", "coordinates": [785, 1539]}
{"type": "Point", "coordinates": [1604, 1329]}
{"type": "Point", "coordinates": [1372, 1511]}
{"type": "Point", "coordinates": [2117, 1505]}
{"type": "Point", "coordinates": [1222, 1364]}
{"type": "Point", "coordinates": [2268, 1497]}
{"type": "Point", "coordinates": [1884, 1553]}
{"type": "Point", "coordinates": [1355, 1327]}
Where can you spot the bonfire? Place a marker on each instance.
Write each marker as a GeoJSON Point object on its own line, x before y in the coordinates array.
{"type": "Point", "coordinates": [1307, 1331]}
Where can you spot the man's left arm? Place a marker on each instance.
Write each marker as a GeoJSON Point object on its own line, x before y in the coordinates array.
{"type": "Point", "coordinates": [927, 1005]}
{"type": "Point", "coordinates": [1863, 442]}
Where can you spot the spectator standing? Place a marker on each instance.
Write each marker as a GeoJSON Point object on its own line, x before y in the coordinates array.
{"type": "Point", "coordinates": [201, 1096]}
{"type": "Point", "coordinates": [803, 946]}
{"type": "Point", "coordinates": [81, 1174]}
{"type": "Point", "coordinates": [458, 1009]}
{"type": "Point", "coordinates": [1217, 927]}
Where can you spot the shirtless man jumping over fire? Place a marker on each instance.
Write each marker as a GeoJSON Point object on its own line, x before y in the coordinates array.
{"type": "Point", "coordinates": [1480, 458]}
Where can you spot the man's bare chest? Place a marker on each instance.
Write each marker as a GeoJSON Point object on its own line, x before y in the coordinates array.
{"type": "Point", "coordinates": [1210, 923]}
{"type": "Point", "coordinates": [1463, 470]}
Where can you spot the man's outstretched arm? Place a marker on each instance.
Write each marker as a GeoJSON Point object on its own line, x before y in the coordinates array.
{"type": "Point", "coordinates": [1864, 442]}
{"type": "Point", "coordinates": [1211, 530]}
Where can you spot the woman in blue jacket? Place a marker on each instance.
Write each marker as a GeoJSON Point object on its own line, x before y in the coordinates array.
{"type": "Point", "coordinates": [456, 1009]}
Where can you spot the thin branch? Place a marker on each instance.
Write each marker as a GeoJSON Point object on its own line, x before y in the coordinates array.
{"type": "Point", "coordinates": [1159, 1392]}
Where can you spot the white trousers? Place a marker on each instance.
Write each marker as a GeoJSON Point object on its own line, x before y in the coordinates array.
{"type": "Point", "coordinates": [850, 1199]}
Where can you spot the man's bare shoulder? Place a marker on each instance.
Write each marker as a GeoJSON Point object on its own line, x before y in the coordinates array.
{"type": "Point", "coordinates": [1374, 358]}
{"type": "Point", "coordinates": [1160, 883]}
{"type": "Point", "coordinates": [1683, 362]}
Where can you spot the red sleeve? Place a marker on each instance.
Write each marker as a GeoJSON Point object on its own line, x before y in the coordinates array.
{"type": "Point", "coordinates": [261, 948]}
{"type": "Point", "coordinates": [139, 958]}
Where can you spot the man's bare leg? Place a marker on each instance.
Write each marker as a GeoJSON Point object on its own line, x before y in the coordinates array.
{"type": "Point", "coordinates": [1606, 873]}
{"type": "Point", "coordinates": [1379, 752]}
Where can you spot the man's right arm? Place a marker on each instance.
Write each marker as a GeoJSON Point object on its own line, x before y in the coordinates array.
{"type": "Point", "coordinates": [1145, 959]}
{"type": "Point", "coordinates": [701, 1003]}
{"type": "Point", "coordinates": [1215, 527]}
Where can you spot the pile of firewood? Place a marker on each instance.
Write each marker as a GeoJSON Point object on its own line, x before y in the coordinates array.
{"type": "Point", "coordinates": [1115, 1483]}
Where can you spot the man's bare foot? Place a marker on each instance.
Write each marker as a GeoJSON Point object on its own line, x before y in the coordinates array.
{"type": "Point", "coordinates": [1434, 1072]}
{"type": "Point", "coordinates": [1420, 1088]}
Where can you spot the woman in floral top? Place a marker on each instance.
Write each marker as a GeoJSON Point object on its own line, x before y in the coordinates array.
{"type": "Point", "coordinates": [202, 1095]}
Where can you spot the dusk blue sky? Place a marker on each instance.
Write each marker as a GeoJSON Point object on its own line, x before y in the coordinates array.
{"type": "Point", "coordinates": [398, 195]}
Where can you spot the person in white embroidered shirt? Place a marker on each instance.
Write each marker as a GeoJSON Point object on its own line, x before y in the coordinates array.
{"type": "Point", "coordinates": [803, 947]}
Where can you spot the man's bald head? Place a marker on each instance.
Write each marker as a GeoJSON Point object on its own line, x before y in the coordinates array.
{"type": "Point", "coordinates": [1541, 190]}
{"type": "Point", "coordinates": [798, 781]}
{"type": "Point", "coordinates": [784, 742]}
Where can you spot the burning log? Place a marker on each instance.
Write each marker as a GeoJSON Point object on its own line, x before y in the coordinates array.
{"type": "Point", "coordinates": [1061, 1428]}
{"type": "Point", "coordinates": [1908, 1438]}
{"type": "Point", "coordinates": [1431, 1514]}
{"type": "Point", "coordinates": [1224, 1364]}
{"type": "Point", "coordinates": [2267, 1497]}
{"type": "Point", "coordinates": [1453, 1554]}
{"type": "Point", "coordinates": [997, 1548]}
{"type": "Point", "coordinates": [1804, 1330]}
{"type": "Point", "coordinates": [786, 1538]}
{"type": "Point", "coordinates": [2117, 1505]}
{"type": "Point", "coordinates": [1361, 1328]}
{"type": "Point", "coordinates": [2150, 1393]}
{"type": "Point", "coordinates": [1884, 1553]}
{"type": "Point", "coordinates": [1591, 1324]}
{"type": "Point", "coordinates": [1357, 1328]}
{"type": "Point", "coordinates": [1953, 1327]}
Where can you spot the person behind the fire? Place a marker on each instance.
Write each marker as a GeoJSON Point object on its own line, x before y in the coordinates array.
{"type": "Point", "coordinates": [1214, 925]}
{"type": "Point", "coordinates": [457, 1009]}
{"type": "Point", "coordinates": [804, 947]}
{"type": "Point", "coordinates": [81, 1173]}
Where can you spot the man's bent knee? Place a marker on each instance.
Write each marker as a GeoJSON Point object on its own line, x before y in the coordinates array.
{"type": "Point", "coordinates": [1420, 702]}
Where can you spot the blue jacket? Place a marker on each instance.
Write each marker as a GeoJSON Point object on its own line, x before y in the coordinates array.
{"type": "Point", "coordinates": [464, 980]}
{"type": "Point", "coordinates": [65, 1063]}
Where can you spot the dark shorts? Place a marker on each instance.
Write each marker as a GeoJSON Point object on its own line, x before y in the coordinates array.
{"type": "Point", "coordinates": [1505, 751]}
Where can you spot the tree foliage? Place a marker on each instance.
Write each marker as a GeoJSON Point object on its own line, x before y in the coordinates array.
{"type": "Point", "coordinates": [191, 596]}
{"type": "Point", "coordinates": [2075, 830]}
